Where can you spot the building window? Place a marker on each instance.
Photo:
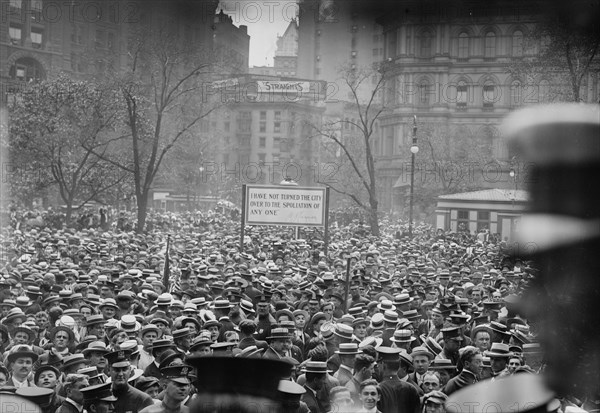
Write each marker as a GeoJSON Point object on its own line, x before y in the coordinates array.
{"type": "Point", "coordinates": [545, 43]}
{"type": "Point", "coordinates": [77, 34]}
{"type": "Point", "coordinates": [261, 158]}
{"type": "Point", "coordinates": [463, 46]}
{"type": "Point", "coordinates": [425, 45]}
{"type": "Point", "coordinates": [15, 3]}
{"type": "Point", "coordinates": [544, 91]}
{"type": "Point", "coordinates": [389, 141]}
{"type": "Point", "coordinates": [110, 41]}
{"type": "Point", "coordinates": [483, 220]}
{"type": "Point", "coordinates": [100, 38]}
{"type": "Point", "coordinates": [277, 127]}
{"type": "Point", "coordinates": [517, 44]}
{"type": "Point", "coordinates": [262, 142]}
{"type": "Point", "coordinates": [462, 222]}
{"type": "Point", "coordinates": [263, 115]}
{"type": "Point", "coordinates": [489, 95]}
{"type": "Point", "coordinates": [276, 143]}
{"type": "Point", "coordinates": [14, 31]}
{"type": "Point", "coordinates": [461, 95]}
{"type": "Point", "coordinates": [36, 37]}
{"type": "Point", "coordinates": [245, 122]}
{"type": "Point", "coordinates": [277, 115]}
{"type": "Point", "coordinates": [26, 69]}
{"type": "Point", "coordinates": [515, 93]}
{"type": "Point", "coordinates": [424, 92]}
{"type": "Point", "coordinates": [391, 50]}
{"type": "Point", "coordinates": [490, 45]}
{"type": "Point", "coordinates": [262, 128]}
{"type": "Point", "coordinates": [36, 5]}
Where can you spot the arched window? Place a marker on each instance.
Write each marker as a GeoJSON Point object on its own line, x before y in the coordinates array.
{"type": "Point", "coordinates": [489, 95]}
{"type": "Point", "coordinates": [516, 90]}
{"type": "Point", "coordinates": [27, 69]}
{"type": "Point", "coordinates": [461, 95]}
{"type": "Point", "coordinates": [490, 44]}
{"type": "Point", "coordinates": [425, 44]}
{"type": "Point", "coordinates": [424, 92]}
{"type": "Point", "coordinates": [544, 91]}
{"type": "Point", "coordinates": [463, 45]}
{"type": "Point", "coordinates": [517, 43]}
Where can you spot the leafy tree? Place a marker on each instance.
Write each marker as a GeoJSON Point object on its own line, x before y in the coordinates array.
{"type": "Point", "coordinates": [63, 128]}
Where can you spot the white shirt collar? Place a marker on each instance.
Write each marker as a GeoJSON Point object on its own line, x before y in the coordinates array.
{"type": "Point", "coordinates": [19, 384]}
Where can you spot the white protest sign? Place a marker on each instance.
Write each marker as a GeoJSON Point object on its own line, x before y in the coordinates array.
{"type": "Point", "coordinates": [285, 205]}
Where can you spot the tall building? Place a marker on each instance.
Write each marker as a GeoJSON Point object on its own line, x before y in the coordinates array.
{"type": "Point", "coordinates": [286, 56]}
{"type": "Point", "coordinates": [265, 129]}
{"type": "Point", "coordinates": [41, 38]}
{"type": "Point", "coordinates": [231, 43]}
{"type": "Point", "coordinates": [449, 67]}
{"type": "Point", "coordinates": [334, 36]}
{"type": "Point", "coordinates": [262, 70]}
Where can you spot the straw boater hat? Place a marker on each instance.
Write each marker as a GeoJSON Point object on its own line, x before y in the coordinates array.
{"type": "Point", "coordinates": [279, 333]}
{"type": "Point", "coordinates": [402, 336]}
{"type": "Point", "coordinates": [348, 349]}
{"type": "Point", "coordinates": [21, 351]}
{"type": "Point", "coordinates": [129, 323]}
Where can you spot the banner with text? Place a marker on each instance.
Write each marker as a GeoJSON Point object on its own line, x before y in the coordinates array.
{"type": "Point", "coordinates": [286, 87]}
{"type": "Point", "coordinates": [285, 205]}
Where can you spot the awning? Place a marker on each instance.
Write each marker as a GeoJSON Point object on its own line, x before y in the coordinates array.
{"type": "Point", "coordinates": [401, 182]}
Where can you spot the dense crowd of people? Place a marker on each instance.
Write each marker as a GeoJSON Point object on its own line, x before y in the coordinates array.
{"type": "Point", "coordinates": [110, 320]}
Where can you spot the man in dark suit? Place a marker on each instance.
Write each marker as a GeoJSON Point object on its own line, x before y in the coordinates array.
{"type": "Point", "coordinates": [222, 308]}
{"type": "Point", "coordinates": [280, 341]}
{"type": "Point", "coordinates": [247, 330]}
{"type": "Point", "coordinates": [129, 399]}
{"type": "Point", "coordinates": [74, 401]}
{"type": "Point", "coordinates": [316, 372]}
{"type": "Point", "coordinates": [396, 395]}
{"type": "Point", "coordinates": [158, 347]}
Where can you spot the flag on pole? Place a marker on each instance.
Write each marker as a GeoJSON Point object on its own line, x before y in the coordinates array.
{"type": "Point", "coordinates": [167, 272]}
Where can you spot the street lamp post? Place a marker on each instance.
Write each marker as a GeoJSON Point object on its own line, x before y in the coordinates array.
{"type": "Point", "coordinates": [413, 150]}
{"type": "Point", "coordinates": [513, 174]}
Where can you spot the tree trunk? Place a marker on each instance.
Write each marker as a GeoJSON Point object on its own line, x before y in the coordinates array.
{"type": "Point", "coordinates": [142, 205]}
{"type": "Point", "coordinates": [69, 213]}
{"type": "Point", "coordinates": [373, 217]}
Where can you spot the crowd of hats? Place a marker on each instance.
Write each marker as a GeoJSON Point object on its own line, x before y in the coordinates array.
{"type": "Point", "coordinates": [63, 272]}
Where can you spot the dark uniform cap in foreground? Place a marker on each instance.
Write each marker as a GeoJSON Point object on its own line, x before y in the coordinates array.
{"type": "Point", "coordinates": [39, 395]}
{"type": "Point", "coordinates": [119, 358]}
{"type": "Point", "coordinates": [559, 146]}
{"type": "Point", "coordinates": [237, 381]}
{"type": "Point", "coordinates": [522, 393]}
{"type": "Point", "coordinates": [98, 392]}
{"type": "Point", "coordinates": [179, 374]}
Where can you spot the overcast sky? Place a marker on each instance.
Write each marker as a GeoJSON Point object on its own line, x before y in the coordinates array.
{"type": "Point", "coordinates": [265, 20]}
